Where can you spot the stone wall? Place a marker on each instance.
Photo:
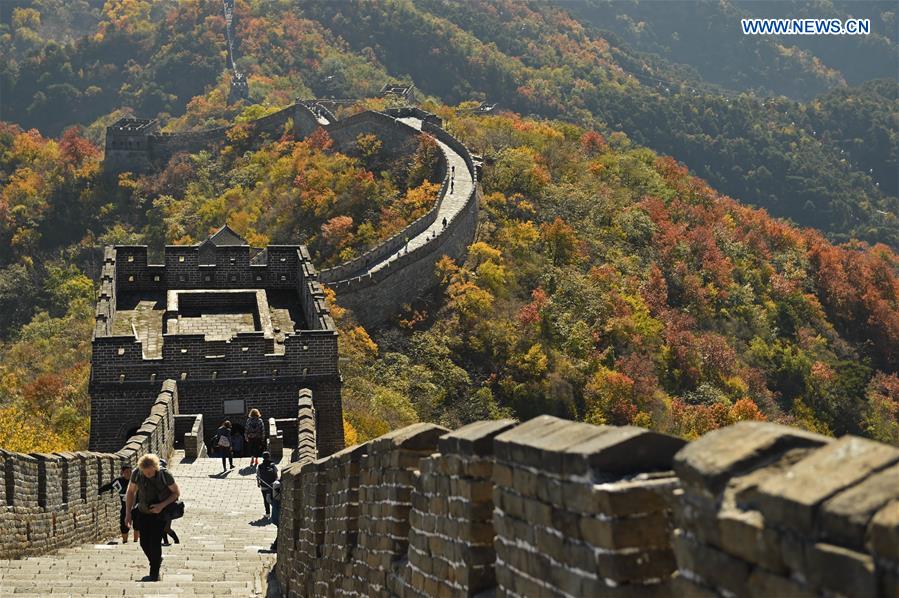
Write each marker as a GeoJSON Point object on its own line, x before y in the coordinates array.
{"type": "Point", "coordinates": [558, 508]}
{"type": "Point", "coordinates": [549, 507]}
{"type": "Point", "coordinates": [50, 501]}
{"type": "Point", "coordinates": [767, 510]}
{"type": "Point", "coordinates": [375, 297]}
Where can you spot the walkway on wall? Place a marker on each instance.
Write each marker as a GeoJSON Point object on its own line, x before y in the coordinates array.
{"type": "Point", "coordinates": [451, 204]}
{"type": "Point", "coordinates": [221, 536]}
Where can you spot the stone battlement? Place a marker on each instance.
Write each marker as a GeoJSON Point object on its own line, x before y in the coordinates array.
{"type": "Point", "coordinates": [50, 501]}
{"type": "Point", "coordinates": [237, 326]}
{"type": "Point", "coordinates": [558, 508]}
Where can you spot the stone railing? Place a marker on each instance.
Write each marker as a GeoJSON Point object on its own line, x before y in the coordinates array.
{"type": "Point", "coordinates": [189, 429]}
{"type": "Point", "coordinates": [306, 449]}
{"type": "Point", "coordinates": [51, 501]}
{"type": "Point", "coordinates": [558, 508]}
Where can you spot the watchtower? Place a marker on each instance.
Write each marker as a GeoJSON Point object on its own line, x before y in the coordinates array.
{"type": "Point", "coordinates": [238, 327]}
{"type": "Point", "coordinates": [129, 144]}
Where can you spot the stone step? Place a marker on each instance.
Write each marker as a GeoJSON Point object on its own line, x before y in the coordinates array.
{"type": "Point", "coordinates": [221, 534]}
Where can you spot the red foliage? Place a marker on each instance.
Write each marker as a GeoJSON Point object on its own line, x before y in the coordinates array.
{"type": "Point", "coordinates": [320, 140]}
{"type": "Point", "coordinates": [75, 148]}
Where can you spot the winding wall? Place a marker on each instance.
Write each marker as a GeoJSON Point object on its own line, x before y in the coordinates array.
{"type": "Point", "coordinates": [376, 284]}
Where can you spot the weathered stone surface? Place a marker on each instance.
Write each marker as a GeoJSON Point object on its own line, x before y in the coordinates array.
{"type": "Point", "coordinates": [743, 534]}
{"type": "Point", "coordinates": [710, 461]}
{"type": "Point", "coordinates": [475, 438]}
{"type": "Point", "coordinates": [884, 532]}
{"type": "Point", "coordinates": [841, 570]}
{"type": "Point", "coordinates": [791, 498]}
{"type": "Point", "coordinates": [621, 451]}
{"type": "Point", "coordinates": [764, 584]}
{"type": "Point", "coordinates": [713, 567]}
{"type": "Point", "coordinates": [528, 443]}
{"type": "Point", "coordinates": [844, 518]}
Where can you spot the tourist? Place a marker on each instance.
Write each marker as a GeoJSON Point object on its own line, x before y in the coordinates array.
{"type": "Point", "coordinates": [222, 442]}
{"type": "Point", "coordinates": [237, 445]}
{"type": "Point", "coordinates": [266, 476]}
{"type": "Point", "coordinates": [120, 485]}
{"type": "Point", "coordinates": [168, 524]}
{"type": "Point", "coordinates": [444, 222]}
{"type": "Point", "coordinates": [154, 488]}
{"type": "Point", "coordinates": [255, 435]}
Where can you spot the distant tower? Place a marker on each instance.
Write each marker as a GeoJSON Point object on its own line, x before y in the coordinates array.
{"type": "Point", "coordinates": [401, 92]}
{"type": "Point", "coordinates": [236, 327]}
{"type": "Point", "coordinates": [240, 90]}
{"type": "Point", "coordinates": [129, 144]}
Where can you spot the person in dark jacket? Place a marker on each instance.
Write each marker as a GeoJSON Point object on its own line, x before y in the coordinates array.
{"type": "Point", "coordinates": [266, 476]}
{"type": "Point", "coordinates": [222, 443]}
{"type": "Point", "coordinates": [120, 485]}
{"type": "Point", "coordinates": [255, 434]}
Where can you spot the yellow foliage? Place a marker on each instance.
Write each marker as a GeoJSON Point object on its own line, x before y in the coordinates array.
{"type": "Point", "coordinates": [350, 435]}
{"type": "Point", "coordinates": [23, 433]}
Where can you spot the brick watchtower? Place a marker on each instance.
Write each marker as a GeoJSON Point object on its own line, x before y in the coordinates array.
{"type": "Point", "coordinates": [237, 327]}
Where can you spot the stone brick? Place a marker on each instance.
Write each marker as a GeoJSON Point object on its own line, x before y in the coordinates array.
{"type": "Point", "coordinates": [743, 534]}
{"type": "Point", "coordinates": [841, 570]}
{"type": "Point", "coordinates": [791, 498]}
{"type": "Point", "coordinates": [709, 462]}
{"type": "Point", "coordinates": [621, 451]}
{"type": "Point", "coordinates": [764, 584]}
{"type": "Point", "coordinates": [883, 534]}
{"type": "Point", "coordinates": [712, 566]}
{"type": "Point", "coordinates": [474, 439]}
{"type": "Point", "coordinates": [844, 518]}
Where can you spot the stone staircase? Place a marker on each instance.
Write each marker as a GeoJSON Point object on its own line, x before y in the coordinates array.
{"type": "Point", "coordinates": [223, 551]}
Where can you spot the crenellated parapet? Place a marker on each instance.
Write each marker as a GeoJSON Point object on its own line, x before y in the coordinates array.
{"type": "Point", "coordinates": [559, 508]}
{"type": "Point", "coordinates": [238, 327]}
{"type": "Point", "coordinates": [50, 501]}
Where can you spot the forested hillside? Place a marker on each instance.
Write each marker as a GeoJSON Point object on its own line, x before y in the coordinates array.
{"type": "Point", "coordinates": [800, 67]}
{"type": "Point", "coordinates": [609, 282]}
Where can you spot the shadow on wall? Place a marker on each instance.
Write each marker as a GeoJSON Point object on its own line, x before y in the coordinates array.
{"type": "Point", "coordinates": [553, 507]}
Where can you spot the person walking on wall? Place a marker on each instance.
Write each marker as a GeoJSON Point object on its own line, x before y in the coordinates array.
{"type": "Point", "coordinates": [444, 222]}
{"type": "Point", "coordinates": [266, 476]}
{"type": "Point", "coordinates": [222, 443]}
{"type": "Point", "coordinates": [153, 488]}
{"type": "Point", "coordinates": [255, 435]}
{"type": "Point", "coordinates": [237, 440]}
{"type": "Point", "coordinates": [120, 485]}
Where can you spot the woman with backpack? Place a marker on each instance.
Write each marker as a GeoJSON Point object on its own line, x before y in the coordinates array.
{"type": "Point", "coordinates": [255, 434]}
{"type": "Point", "coordinates": [222, 442]}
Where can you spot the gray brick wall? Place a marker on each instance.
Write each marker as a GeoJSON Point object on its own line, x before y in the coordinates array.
{"type": "Point", "coordinates": [51, 501]}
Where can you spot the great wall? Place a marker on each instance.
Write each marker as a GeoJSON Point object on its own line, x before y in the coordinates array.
{"type": "Point", "coordinates": [376, 284]}
{"type": "Point", "coordinates": [545, 507]}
